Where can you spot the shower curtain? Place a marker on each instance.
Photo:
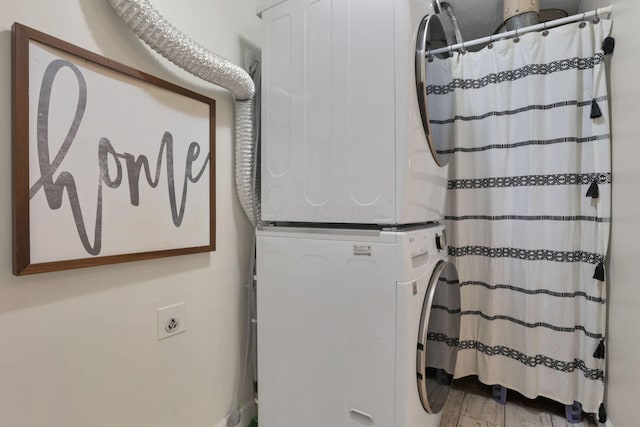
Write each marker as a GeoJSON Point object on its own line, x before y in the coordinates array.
{"type": "Point", "coordinates": [529, 208]}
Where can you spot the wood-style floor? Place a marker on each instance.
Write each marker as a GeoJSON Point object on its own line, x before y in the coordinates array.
{"type": "Point", "coordinates": [473, 406]}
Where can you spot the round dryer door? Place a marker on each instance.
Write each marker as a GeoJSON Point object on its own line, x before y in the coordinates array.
{"type": "Point", "coordinates": [434, 75]}
{"type": "Point", "coordinates": [438, 338]}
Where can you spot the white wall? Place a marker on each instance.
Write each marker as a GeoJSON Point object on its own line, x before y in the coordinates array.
{"type": "Point", "coordinates": [79, 348]}
{"type": "Point", "coordinates": [623, 387]}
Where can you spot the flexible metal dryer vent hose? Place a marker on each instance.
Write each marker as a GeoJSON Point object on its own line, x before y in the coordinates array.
{"type": "Point", "coordinates": [164, 38]}
{"type": "Point", "coordinates": [454, 21]}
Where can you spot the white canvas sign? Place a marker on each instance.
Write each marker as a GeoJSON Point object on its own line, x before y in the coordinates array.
{"type": "Point", "coordinates": [119, 163]}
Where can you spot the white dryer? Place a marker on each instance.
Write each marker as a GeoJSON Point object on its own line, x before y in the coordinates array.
{"type": "Point", "coordinates": [355, 327]}
{"type": "Point", "coordinates": [345, 129]}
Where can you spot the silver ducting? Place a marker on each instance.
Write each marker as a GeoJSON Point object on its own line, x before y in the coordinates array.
{"type": "Point", "coordinates": [454, 21]}
{"type": "Point", "coordinates": [164, 38]}
{"type": "Point", "coordinates": [520, 14]}
{"type": "Point", "coordinates": [247, 185]}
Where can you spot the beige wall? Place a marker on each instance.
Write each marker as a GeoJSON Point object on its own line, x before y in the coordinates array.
{"type": "Point", "coordinates": [624, 314]}
{"type": "Point", "coordinates": [79, 348]}
{"type": "Point", "coordinates": [623, 352]}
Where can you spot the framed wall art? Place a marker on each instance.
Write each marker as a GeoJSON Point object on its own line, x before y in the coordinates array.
{"type": "Point", "coordinates": [109, 164]}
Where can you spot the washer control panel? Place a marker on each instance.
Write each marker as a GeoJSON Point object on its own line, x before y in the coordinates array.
{"type": "Point", "coordinates": [441, 240]}
{"type": "Point", "coordinates": [424, 242]}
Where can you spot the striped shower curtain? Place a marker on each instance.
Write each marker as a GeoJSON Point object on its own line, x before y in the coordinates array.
{"type": "Point", "coordinates": [529, 208]}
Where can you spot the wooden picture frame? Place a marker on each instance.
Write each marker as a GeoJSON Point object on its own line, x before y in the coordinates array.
{"type": "Point", "coordinates": [109, 164]}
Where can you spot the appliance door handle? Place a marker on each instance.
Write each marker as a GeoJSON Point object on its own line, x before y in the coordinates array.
{"type": "Point", "coordinates": [363, 416]}
{"type": "Point", "coordinates": [422, 47]}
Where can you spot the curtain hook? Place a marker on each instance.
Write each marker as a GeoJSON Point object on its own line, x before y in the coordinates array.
{"type": "Point", "coordinates": [545, 33]}
{"type": "Point", "coordinates": [584, 18]}
{"type": "Point", "coordinates": [597, 18]}
{"type": "Point", "coordinates": [490, 45]}
{"type": "Point", "coordinates": [517, 39]}
{"type": "Point", "coordinates": [463, 50]}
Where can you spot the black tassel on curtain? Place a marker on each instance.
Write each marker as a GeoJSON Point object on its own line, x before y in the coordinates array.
{"type": "Point", "coordinates": [608, 45]}
{"type": "Point", "coordinates": [593, 191]}
{"type": "Point", "coordinates": [600, 351]}
{"type": "Point", "coordinates": [599, 273]}
{"type": "Point", "coordinates": [602, 414]}
{"type": "Point", "coordinates": [596, 113]}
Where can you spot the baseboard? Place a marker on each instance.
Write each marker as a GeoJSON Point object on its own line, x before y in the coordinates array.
{"type": "Point", "coordinates": [248, 411]}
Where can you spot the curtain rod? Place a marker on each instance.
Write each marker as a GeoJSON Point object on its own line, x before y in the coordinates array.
{"type": "Point", "coordinates": [545, 25]}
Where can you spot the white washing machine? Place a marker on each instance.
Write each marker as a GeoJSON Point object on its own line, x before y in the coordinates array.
{"type": "Point", "coordinates": [355, 327]}
{"type": "Point", "coordinates": [345, 130]}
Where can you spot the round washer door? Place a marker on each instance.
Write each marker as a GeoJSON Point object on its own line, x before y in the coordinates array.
{"type": "Point", "coordinates": [438, 337]}
{"type": "Point", "coordinates": [431, 35]}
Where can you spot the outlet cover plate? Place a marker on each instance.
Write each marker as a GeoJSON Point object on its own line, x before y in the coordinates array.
{"type": "Point", "coordinates": [171, 320]}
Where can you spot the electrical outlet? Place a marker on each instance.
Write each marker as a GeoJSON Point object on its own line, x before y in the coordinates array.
{"type": "Point", "coordinates": [171, 320]}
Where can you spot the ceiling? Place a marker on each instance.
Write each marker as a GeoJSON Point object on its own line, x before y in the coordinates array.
{"type": "Point", "coordinates": [480, 18]}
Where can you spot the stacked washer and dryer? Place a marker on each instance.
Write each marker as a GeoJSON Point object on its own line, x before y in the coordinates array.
{"type": "Point", "coordinates": [358, 307]}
